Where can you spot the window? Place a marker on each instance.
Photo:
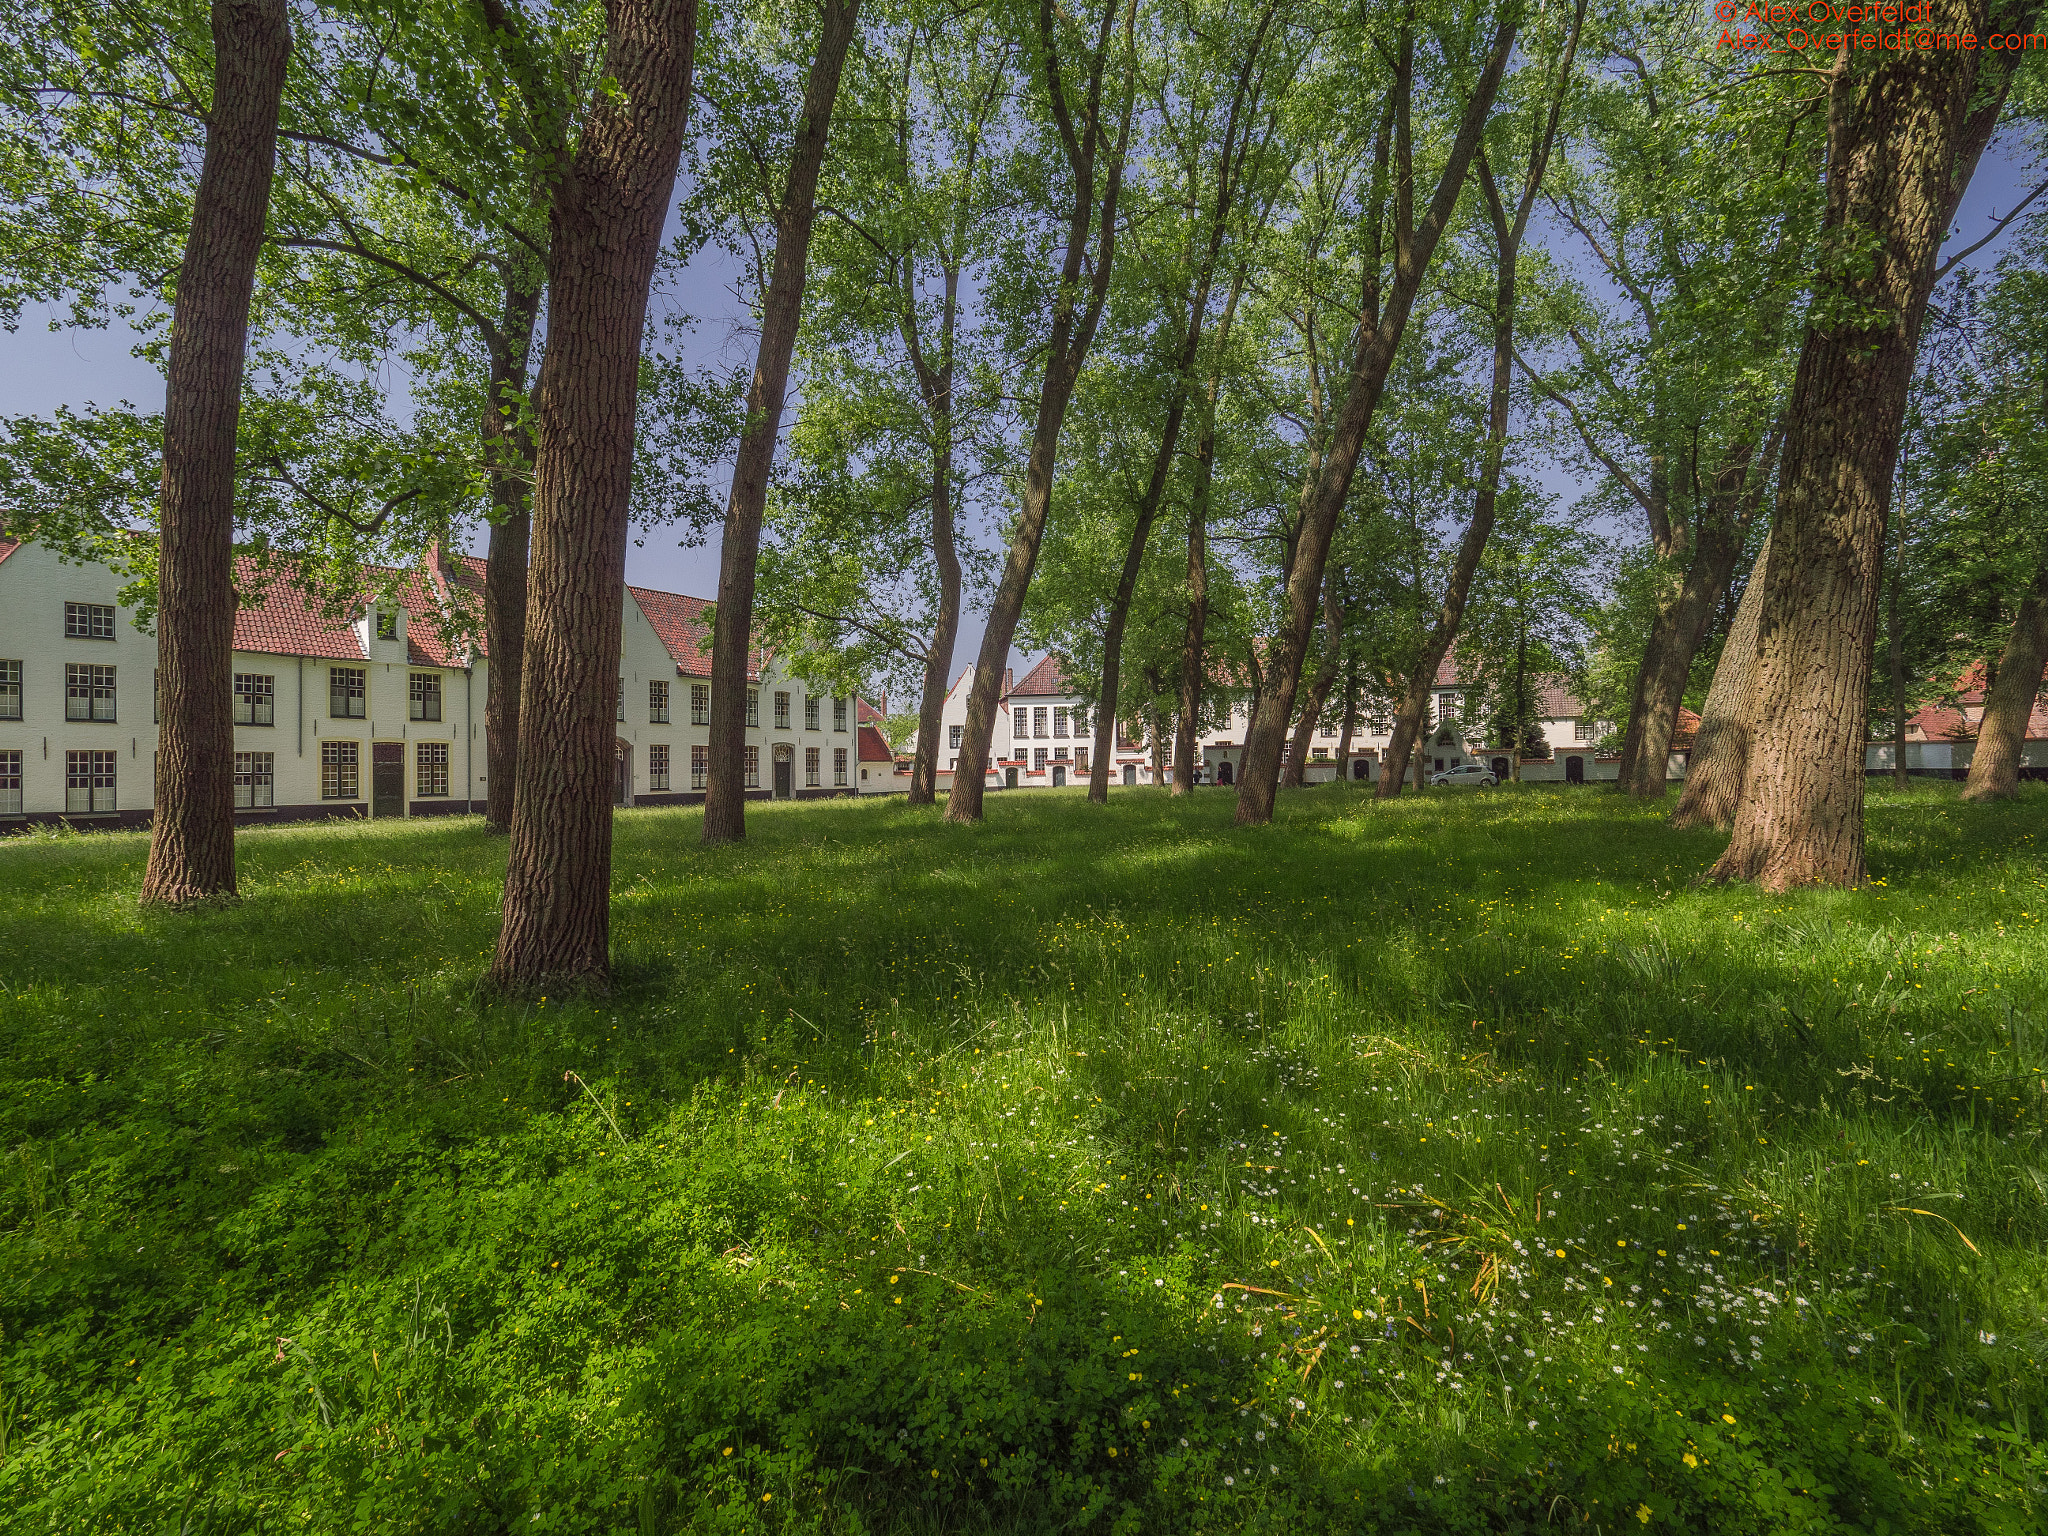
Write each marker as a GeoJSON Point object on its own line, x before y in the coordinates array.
{"type": "Point", "coordinates": [10, 783]}
{"type": "Point", "coordinates": [1079, 715]}
{"type": "Point", "coordinates": [10, 690]}
{"type": "Point", "coordinates": [88, 782]}
{"type": "Point", "coordinates": [1319, 754]}
{"type": "Point", "coordinates": [700, 704]}
{"type": "Point", "coordinates": [88, 692]}
{"type": "Point", "coordinates": [753, 767]}
{"type": "Point", "coordinates": [1059, 754]}
{"type": "Point", "coordinates": [1582, 728]}
{"type": "Point", "coordinates": [810, 712]}
{"type": "Point", "coordinates": [345, 694]}
{"type": "Point", "coordinates": [1038, 723]}
{"type": "Point", "coordinates": [953, 736]}
{"type": "Point", "coordinates": [431, 770]}
{"type": "Point", "coordinates": [810, 767]}
{"type": "Point", "coordinates": [426, 695]}
{"type": "Point", "coordinates": [339, 772]}
{"type": "Point", "coordinates": [700, 757]}
{"type": "Point", "coordinates": [254, 780]}
{"type": "Point", "coordinates": [753, 708]}
{"type": "Point", "coordinates": [1080, 759]}
{"type": "Point", "coordinates": [839, 714]}
{"type": "Point", "coordinates": [657, 765]}
{"type": "Point", "coordinates": [657, 703]}
{"type": "Point", "coordinates": [387, 625]}
{"type": "Point", "coordinates": [781, 711]}
{"type": "Point", "coordinates": [838, 766]}
{"type": "Point", "coordinates": [1038, 757]}
{"type": "Point", "coordinates": [1059, 722]}
{"type": "Point", "coordinates": [1327, 727]}
{"type": "Point", "coordinates": [256, 699]}
{"type": "Point", "coordinates": [88, 621]}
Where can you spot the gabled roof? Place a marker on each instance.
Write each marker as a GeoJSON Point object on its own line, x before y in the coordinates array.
{"type": "Point", "coordinates": [1046, 679]}
{"type": "Point", "coordinates": [865, 713]}
{"type": "Point", "coordinates": [8, 547]}
{"type": "Point", "coordinates": [873, 749]}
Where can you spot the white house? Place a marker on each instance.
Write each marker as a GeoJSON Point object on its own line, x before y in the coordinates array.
{"type": "Point", "coordinates": [378, 713]}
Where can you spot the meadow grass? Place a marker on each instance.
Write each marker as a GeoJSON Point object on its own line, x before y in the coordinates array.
{"type": "Point", "coordinates": [1448, 1165]}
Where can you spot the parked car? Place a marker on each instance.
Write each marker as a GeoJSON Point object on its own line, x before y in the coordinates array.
{"type": "Point", "coordinates": [1466, 773]}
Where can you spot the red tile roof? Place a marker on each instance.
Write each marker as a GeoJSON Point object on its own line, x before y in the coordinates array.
{"type": "Point", "coordinates": [1047, 678]}
{"type": "Point", "coordinates": [286, 622]}
{"type": "Point", "coordinates": [873, 749]}
{"type": "Point", "coordinates": [8, 547]}
{"type": "Point", "coordinates": [1686, 731]}
{"type": "Point", "coordinates": [865, 713]}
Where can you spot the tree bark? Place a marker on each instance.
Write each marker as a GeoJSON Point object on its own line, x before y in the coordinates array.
{"type": "Point", "coordinates": [508, 449]}
{"type": "Point", "coordinates": [192, 832]}
{"type": "Point", "coordinates": [1719, 532]}
{"type": "Point", "coordinates": [1379, 337]}
{"type": "Point", "coordinates": [937, 384]}
{"type": "Point", "coordinates": [725, 792]}
{"type": "Point", "coordinates": [1895, 655]}
{"type": "Point", "coordinates": [1194, 637]}
{"type": "Point", "coordinates": [1720, 750]}
{"type": "Point", "coordinates": [1350, 721]}
{"type": "Point", "coordinates": [1074, 322]}
{"type": "Point", "coordinates": [605, 233]}
{"type": "Point", "coordinates": [2001, 736]}
{"type": "Point", "coordinates": [1902, 141]}
{"type": "Point", "coordinates": [1296, 772]}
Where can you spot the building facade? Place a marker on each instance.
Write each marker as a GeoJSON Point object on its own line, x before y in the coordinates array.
{"type": "Point", "coordinates": [377, 712]}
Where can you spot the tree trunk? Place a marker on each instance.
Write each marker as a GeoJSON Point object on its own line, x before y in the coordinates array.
{"type": "Point", "coordinates": [192, 832]}
{"type": "Point", "coordinates": [938, 661]}
{"type": "Point", "coordinates": [1193, 638]}
{"type": "Point", "coordinates": [1895, 656]}
{"type": "Point", "coordinates": [1296, 772]}
{"type": "Point", "coordinates": [1350, 721]}
{"type": "Point", "coordinates": [1720, 749]}
{"type": "Point", "coordinates": [725, 791]}
{"type": "Point", "coordinates": [1894, 177]}
{"type": "Point", "coordinates": [1074, 322]}
{"type": "Point", "coordinates": [508, 449]}
{"type": "Point", "coordinates": [605, 229]}
{"type": "Point", "coordinates": [2001, 737]}
{"type": "Point", "coordinates": [1379, 337]}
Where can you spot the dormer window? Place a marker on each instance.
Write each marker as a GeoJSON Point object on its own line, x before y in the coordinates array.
{"type": "Point", "coordinates": [387, 625]}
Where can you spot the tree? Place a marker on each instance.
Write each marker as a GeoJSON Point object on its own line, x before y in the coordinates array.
{"type": "Point", "coordinates": [1906, 131]}
{"type": "Point", "coordinates": [609, 207]}
{"type": "Point", "coordinates": [1508, 232]}
{"type": "Point", "coordinates": [725, 795]}
{"type": "Point", "coordinates": [192, 832]}
{"type": "Point", "coordinates": [1093, 139]}
{"type": "Point", "coordinates": [1720, 751]}
{"type": "Point", "coordinates": [1378, 338]}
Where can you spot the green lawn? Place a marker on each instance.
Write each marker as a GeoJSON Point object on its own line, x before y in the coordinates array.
{"type": "Point", "coordinates": [1449, 1165]}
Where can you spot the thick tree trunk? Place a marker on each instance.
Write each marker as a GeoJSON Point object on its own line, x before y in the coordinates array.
{"type": "Point", "coordinates": [605, 227]}
{"type": "Point", "coordinates": [192, 833]}
{"type": "Point", "coordinates": [1899, 150]}
{"type": "Point", "coordinates": [1667, 664]}
{"type": "Point", "coordinates": [1077, 311]}
{"type": "Point", "coordinates": [2001, 737]}
{"type": "Point", "coordinates": [1720, 749]}
{"type": "Point", "coordinates": [1295, 774]}
{"type": "Point", "coordinates": [1379, 338]}
{"type": "Point", "coordinates": [725, 792]}
{"type": "Point", "coordinates": [508, 449]}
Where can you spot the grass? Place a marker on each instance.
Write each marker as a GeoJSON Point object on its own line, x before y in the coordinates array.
{"type": "Point", "coordinates": [1439, 1166]}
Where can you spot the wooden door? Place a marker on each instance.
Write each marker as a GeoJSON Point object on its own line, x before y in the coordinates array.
{"type": "Point", "coordinates": [387, 778]}
{"type": "Point", "coordinates": [784, 775]}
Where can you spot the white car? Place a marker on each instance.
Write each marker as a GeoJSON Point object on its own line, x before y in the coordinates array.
{"type": "Point", "coordinates": [1466, 773]}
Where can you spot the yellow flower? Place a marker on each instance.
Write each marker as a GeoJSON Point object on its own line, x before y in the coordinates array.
{"type": "Point", "coordinates": [1360, 1316]}
{"type": "Point", "coordinates": [1643, 1513]}
{"type": "Point", "coordinates": [1691, 1460]}
{"type": "Point", "coordinates": [1728, 1418]}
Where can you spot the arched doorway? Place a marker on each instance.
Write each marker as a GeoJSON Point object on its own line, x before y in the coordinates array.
{"type": "Point", "coordinates": [1059, 776]}
{"type": "Point", "coordinates": [1130, 773]}
{"type": "Point", "coordinates": [1575, 770]}
{"type": "Point", "coordinates": [785, 773]}
{"type": "Point", "coordinates": [1009, 778]}
{"type": "Point", "coordinates": [1225, 774]}
{"type": "Point", "coordinates": [1362, 769]}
